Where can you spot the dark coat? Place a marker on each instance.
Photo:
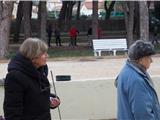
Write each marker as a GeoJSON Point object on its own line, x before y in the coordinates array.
{"type": "Point", "coordinates": [27, 91]}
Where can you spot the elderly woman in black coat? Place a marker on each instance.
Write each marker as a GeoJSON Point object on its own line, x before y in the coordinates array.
{"type": "Point", "coordinates": [27, 89]}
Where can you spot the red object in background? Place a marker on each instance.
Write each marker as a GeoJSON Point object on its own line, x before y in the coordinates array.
{"type": "Point", "coordinates": [73, 32]}
{"type": "Point", "coordinates": [99, 32]}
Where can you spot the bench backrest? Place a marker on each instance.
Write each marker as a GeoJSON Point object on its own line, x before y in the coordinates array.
{"type": "Point", "coordinates": [110, 44]}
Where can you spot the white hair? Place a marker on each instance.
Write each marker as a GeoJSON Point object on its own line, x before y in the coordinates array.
{"type": "Point", "coordinates": [32, 48]}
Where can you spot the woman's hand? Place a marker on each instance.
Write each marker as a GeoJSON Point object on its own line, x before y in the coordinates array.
{"type": "Point", "coordinates": [54, 102]}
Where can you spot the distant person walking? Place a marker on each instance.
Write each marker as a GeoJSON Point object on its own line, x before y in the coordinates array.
{"type": "Point", "coordinates": [99, 32]}
{"type": "Point", "coordinates": [137, 98]}
{"type": "Point", "coordinates": [57, 36]}
{"type": "Point", "coordinates": [73, 32]}
{"type": "Point", "coordinates": [49, 32]}
{"type": "Point", "coordinates": [155, 37]}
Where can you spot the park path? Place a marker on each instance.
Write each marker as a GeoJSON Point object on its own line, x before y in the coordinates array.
{"type": "Point", "coordinates": [85, 69]}
{"type": "Point", "coordinates": [88, 68]}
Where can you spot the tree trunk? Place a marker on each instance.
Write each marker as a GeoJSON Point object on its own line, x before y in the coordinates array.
{"type": "Point", "coordinates": [95, 20]}
{"type": "Point", "coordinates": [78, 10]}
{"type": "Point", "coordinates": [136, 29]}
{"type": "Point", "coordinates": [30, 10]}
{"type": "Point", "coordinates": [144, 21]}
{"type": "Point", "coordinates": [27, 19]}
{"type": "Point", "coordinates": [42, 20]}
{"type": "Point", "coordinates": [70, 9]}
{"type": "Point", "coordinates": [157, 9]}
{"type": "Point", "coordinates": [67, 10]}
{"type": "Point", "coordinates": [18, 21]}
{"type": "Point", "coordinates": [108, 10]}
{"type": "Point", "coordinates": [128, 8]}
{"type": "Point", "coordinates": [62, 13]}
{"type": "Point", "coordinates": [6, 8]}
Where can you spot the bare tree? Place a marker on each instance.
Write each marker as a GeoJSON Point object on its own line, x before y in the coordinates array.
{"type": "Point", "coordinates": [6, 8]}
{"type": "Point", "coordinates": [18, 21]}
{"type": "Point", "coordinates": [42, 17]}
{"type": "Point", "coordinates": [70, 9]}
{"type": "Point", "coordinates": [128, 7]}
{"type": "Point", "coordinates": [136, 28]}
{"type": "Point", "coordinates": [27, 18]}
{"type": "Point", "coordinates": [78, 10]}
{"type": "Point", "coordinates": [144, 20]}
{"type": "Point", "coordinates": [108, 8]}
{"type": "Point", "coordinates": [24, 13]}
{"type": "Point", "coordinates": [62, 12]}
{"type": "Point", "coordinates": [95, 19]}
{"type": "Point", "coordinates": [157, 9]}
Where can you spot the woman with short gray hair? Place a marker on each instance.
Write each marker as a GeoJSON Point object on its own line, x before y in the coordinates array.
{"type": "Point", "coordinates": [137, 98]}
{"type": "Point", "coordinates": [33, 47]}
{"type": "Point", "coordinates": [27, 89]}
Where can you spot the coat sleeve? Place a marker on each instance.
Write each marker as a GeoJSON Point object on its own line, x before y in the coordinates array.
{"type": "Point", "coordinates": [140, 101]}
{"type": "Point", "coordinates": [13, 100]}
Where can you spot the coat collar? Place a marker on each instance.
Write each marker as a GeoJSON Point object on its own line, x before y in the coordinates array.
{"type": "Point", "coordinates": [23, 64]}
{"type": "Point", "coordinates": [141, 71]}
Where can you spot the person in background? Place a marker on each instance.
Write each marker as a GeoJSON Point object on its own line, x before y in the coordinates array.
{"type": "Point", "coordinates": [137, 98]}
{"type": "Point", "coordinates": [57, 36]}
{"type": "Point", "coordinates": [73, 36]}
{"type": "Point", "coordinates": [99, 32]}
{"type": "Point", "coordinates": [155, 37]}
{"type": "Point", "coordinates": [49, 32]}
{"type": "Point", "coordinates": [89, 34]}
{"type": "Point", "coordinates": [27, 89]}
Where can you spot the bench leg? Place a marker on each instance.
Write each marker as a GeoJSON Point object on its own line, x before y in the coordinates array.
{"type": "Point", "coordinates": [95, 53]}
{"type": "Point", "coordinates": [126, 53]}
{"type": "Point", "coordinates": [114, 52]}
{"type": "Point", "coordinates": [99, 53]}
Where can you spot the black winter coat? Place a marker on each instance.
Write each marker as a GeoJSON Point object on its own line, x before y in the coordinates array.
{"type": "Point", "coordinates": [27, 91]}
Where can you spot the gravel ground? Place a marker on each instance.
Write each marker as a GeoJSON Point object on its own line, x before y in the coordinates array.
{"type": "Point", "coordinates": [84, 69]}
{"type": "Point", "coordinates": [88, 68]}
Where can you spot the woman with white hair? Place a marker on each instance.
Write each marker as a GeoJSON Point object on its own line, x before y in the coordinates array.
{"type": "Point", "coordinates": [27, 89]}
{"type": "Point", "coordinates": [137, 98]}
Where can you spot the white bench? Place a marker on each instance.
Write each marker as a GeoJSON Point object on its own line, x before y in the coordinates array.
{"type": "Point", "coordinates": [114, 45]}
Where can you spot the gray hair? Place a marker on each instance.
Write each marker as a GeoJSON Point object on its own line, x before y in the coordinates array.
{"type": "Point", "coordinates": [140, 49]}
{"type": "Point", "coordinates": [32, 48]}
